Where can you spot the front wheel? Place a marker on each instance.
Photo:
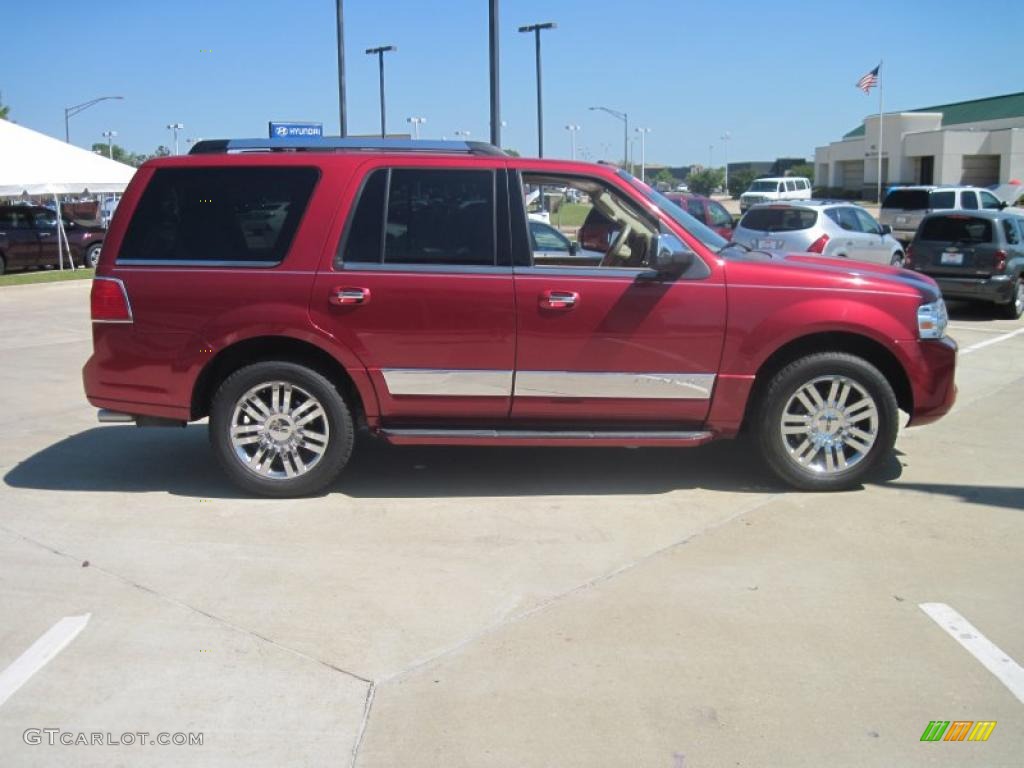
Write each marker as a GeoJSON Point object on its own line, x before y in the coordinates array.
{"type": "Point", "coordinates": [825, 421]}
{"type": "Point", "coordinates": [280, 429]}
{"type": "Point", "coordinates": [1014, 308]}
{"type": "Point", "coordinates": [897, 259]}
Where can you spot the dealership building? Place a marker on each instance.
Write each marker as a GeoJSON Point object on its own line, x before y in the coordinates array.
{"type": "Point", "coordinates": [977, 142]}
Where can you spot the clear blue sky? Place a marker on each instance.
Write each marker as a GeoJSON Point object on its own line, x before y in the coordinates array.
{"type": "Point", "coordinates": [779, 76]}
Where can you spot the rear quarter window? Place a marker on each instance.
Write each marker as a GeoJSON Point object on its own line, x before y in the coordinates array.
{"type": "Point", "coordinates": [907, 199]}
{"type": "Point", "coordinates": [241, 216]}
{"type": "Point", "coordinates": [779, 219]}
{"type": "Point", "coordinates": [956, 229]}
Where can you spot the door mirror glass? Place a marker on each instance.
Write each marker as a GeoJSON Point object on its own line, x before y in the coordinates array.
{"type": "Point", "coordinates": [669, 255]}
{"type": "Point", "coordinates": [886, 229]}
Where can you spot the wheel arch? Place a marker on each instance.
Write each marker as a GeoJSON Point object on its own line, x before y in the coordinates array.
{"type": "Point", "coordinates": [263, 348]}
{"type": "Point", "coordinates": [833, 341]}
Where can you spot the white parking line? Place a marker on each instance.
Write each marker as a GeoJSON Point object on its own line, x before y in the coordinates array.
{"type": "Point", "coordinates": [41, 652]}
{"type": "Point", "coordinates": [1009, 672]}
{"type": "Point", "coordinates": [990, 342]}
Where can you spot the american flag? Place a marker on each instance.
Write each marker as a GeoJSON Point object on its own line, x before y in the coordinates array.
{"type": "Point", "coordinates": [870, 80]}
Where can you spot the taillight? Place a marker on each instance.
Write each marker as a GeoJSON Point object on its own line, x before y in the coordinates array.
{"type": "Point", "coordinates": [999, 264]}
{"type": "Point", "coordinates": [818, 246]}
{"type": "Point", "coordinates": [109, 301]}
{"type": "Point", "coordinates": [908, 257]}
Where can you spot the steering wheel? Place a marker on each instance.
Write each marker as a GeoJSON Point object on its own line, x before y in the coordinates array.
{"type": "Point", "coordinates": [612, 256]}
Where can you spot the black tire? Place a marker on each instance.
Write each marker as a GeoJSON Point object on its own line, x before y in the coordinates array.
{"type": "Point", "coordinates": [3, 264]}
{"type": "Point", "coordinates": [1014, 308]}
{"type": "Point", "coordinates": [897, 259]}
{"type": "Point", "coordinates": [779, 451]}
{"type": "Point", "coordinates": [92, 255]}
{"type": "Point", "coordinates": [338, 430]}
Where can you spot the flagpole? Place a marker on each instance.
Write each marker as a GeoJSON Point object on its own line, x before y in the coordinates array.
{"type": "Point", "coordinates": [881, 133]}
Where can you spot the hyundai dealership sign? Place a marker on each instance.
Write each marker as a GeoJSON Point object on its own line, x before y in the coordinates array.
{"type": "Point", "coordinates": [293, 130]}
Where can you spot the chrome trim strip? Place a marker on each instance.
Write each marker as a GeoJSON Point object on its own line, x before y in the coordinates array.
{"type": "Point", "coordinates": [427, 382]}
{"type": "Point", "coordinates": [528, 434]}
{"type": "Point", "coordinates": [429, 268]}
{"type": "Point", "coordinates": [247, 264]}
{"type": "Point", "coordinates": [626, 386]}
{"type": "Point", "coordinates": [561, 270]}
{"type": "Point", "coordinates": [105, 416]}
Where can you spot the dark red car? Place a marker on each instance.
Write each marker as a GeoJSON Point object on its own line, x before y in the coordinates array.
{"type": "Point", "coordinates": [705, 210]}
{"type": "Point", "coordinates": [28, 238]}
{"type": "Point", "coordinates": [294, 296]}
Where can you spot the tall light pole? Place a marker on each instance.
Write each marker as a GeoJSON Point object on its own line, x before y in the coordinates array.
{"type": "Point", "coordinates": [711, 155]}
{"type": "Point", "coordinates": [536, 29]}
{"type": "Point", "coordinates": [416, 123]}
{"type": "Point", "coordinates": [109, 136]}
{"type": "Point", "coordinates": [342, 116]}
{"type": "Point", "coordinates": [70, 112]}
{"type": "Point", "coordinates": [625, 131]}
{"type": "Point", "coordinates": [572, 128]}
{"type": "Point", "coordinates": [643, 152]}
{"type": "Point", "coordinates": [379, 51]}
{"type": "Point", "coordinates": [725, 148]}
{"type": "Point", "coordinates": [175, 127]}
{"type": "Point", "coordinates": [493, 24]}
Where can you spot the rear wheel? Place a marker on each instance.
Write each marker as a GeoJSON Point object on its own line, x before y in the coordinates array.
{"type": "Point", "coordinates": [897, 259]}
{"type": "Point", "coordinates": [280, 429]}
{"type": "Point", "coordinates": [1014, 308]}
{"type": "Point", "coordinates": [92, 256]}
{"type": "Point", "coordinates": [3, 264]}
{"type": "Point", "coordinates": [825, 421]}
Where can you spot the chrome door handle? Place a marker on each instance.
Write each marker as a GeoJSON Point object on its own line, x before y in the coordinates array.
{"type": "Point", "coordinates": [346, 296]}
{"type": "Point", "coordinates": [559, 299]}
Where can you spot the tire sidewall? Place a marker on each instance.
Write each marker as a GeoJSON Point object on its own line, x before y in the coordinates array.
{"type": "Point", "coordinates": [89, 261]}
{"type": "Point", "coordinates": [339, 446]}
{"type": "Point", "coordinates": [1009, 309]}
{"type": "Point", "coordinates": [784, 386]}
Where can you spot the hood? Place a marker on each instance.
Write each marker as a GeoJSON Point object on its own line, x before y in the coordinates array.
{"type": "Point", "coordinates": [811, 270]}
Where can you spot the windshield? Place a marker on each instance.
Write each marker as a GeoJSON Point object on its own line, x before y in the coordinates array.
{"type": "Point", "coordinates": [708, 237]}
{"type": "Point", "coordinates": [764, 186]}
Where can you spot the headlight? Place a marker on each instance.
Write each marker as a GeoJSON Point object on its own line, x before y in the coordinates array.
{"type": "Point", "coordinates": [932, 320]}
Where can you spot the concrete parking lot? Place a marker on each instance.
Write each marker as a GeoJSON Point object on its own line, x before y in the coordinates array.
{"type": "Point", "coordinates": [502, 607]}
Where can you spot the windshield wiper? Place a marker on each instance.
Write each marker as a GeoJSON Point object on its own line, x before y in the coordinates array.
{"type": "Point", "coordinates": [731, 243]}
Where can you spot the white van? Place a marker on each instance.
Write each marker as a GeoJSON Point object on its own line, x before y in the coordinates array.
{"type": "Point", "coordinates": [778, 188]}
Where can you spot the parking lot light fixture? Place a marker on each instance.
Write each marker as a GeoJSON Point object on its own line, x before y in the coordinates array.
{"type": "Point", "coordinates": [70, 112]}
{"type": "Point", "coordinates": [624, 117]}
{"type": "Point", "coordinates": [572, 128]}
{"type": "Point", "coordinates": [726, 138]}
{"type": "Point", "coordinates": [379, 52]}
{"type": "Point", "coordinates": [416, 123]}
{"type": "Point", "coordinates": [175, 127]}
{"type": "Point", "coordinates": [536, 29]}
{"type": "Point", "coordinates": [109, 136]}
{"type": "Point", "coordinates": [643, 152]}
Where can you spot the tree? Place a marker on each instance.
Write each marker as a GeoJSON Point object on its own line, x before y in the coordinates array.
{"type": "Point", "coordinates": [804, 169]}
{"type": "Point", "coordinates": [705, 181]}
{"type": "Point", "coordinates": [739, 181]}
{"type": "Point", "coordinates": [664, 176]}
{"type": "Point", "coordinates": [4, 111]}
{"type": "Point", "coordinates": [120, 154]}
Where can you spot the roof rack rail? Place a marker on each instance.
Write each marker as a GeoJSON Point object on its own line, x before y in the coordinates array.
{"type": "Point", "coordinates": [336, 143]}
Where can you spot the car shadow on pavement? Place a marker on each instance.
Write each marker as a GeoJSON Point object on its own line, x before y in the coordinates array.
{"type": "Point", "coordinates": [976, 311]}
{"type": "Point", "coordinates": [179, 461]}
{"type": "Point", "coordinates": [984, 495]}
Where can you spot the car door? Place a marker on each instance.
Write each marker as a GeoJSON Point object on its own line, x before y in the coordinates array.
{"type": "Point", "coordinates": [968, 200]}
{"type": "Point", "coordinates": [421, 291]}
{"type": "Point", "coordinates": [609, 345]}
{"type": "Point", "coordinates": [875, 248]}
{"type": "Point", "coordinates": [22, 249]}
{"type": "Point", "coordinates": [44, 222]}
{"type": "Point", "coordinates": [851, 241]}
{"type": "Point", "coordinates": [989, 201]}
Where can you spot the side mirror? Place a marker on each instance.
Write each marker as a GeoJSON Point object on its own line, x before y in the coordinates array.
{"type": "Point", "coordinates": [669, 256]}
{"type": "Point", "coordinates": [886, 229]}
{"type": "Point", "coordinates": [574, 248]}
{"type": "Point", "coordinates": [1002, 204]}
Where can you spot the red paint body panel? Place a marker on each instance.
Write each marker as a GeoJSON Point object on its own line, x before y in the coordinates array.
{"type": "Point", "coordinates": [728, 323]}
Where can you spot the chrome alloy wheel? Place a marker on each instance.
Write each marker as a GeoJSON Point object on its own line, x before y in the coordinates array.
{"type": "Point", "coordinates": [830, 424]}
{"type": "Point", "coordinates": [1018, 298]}
{"type": "Point", "coordinates": [279, 430]}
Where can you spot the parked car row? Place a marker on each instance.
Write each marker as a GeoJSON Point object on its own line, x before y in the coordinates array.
{"type": "Point", "coordinates": [29, 238]}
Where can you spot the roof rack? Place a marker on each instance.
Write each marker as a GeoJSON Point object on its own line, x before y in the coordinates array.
{"type": "Point", "coordinates": [336, 143]}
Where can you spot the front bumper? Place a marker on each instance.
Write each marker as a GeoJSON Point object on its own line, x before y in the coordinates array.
{"type": "Point", "coordinates": [931, 367]}
{"type": "Point", "coordinates": [997, 288]}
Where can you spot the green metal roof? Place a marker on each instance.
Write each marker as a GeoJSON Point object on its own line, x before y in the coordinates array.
{"type": "Point", "coordinates": [975, 111]}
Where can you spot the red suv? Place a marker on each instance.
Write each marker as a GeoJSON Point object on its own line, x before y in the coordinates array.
{"type": "Point", "coordinates": [296, 290]}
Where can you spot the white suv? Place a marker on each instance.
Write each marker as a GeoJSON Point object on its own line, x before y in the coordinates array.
{"type": "Point", "coordinates": [779, 188]}
{"type": "Point", "coordinates": [904, 207]}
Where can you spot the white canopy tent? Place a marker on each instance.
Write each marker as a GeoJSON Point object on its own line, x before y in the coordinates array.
{"type": "Point", "coordinates": [32, 163]}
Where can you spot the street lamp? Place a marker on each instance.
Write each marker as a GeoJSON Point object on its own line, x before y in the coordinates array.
{"type": "Point", "coordinates": [109, 136]}
{"type": "Point", "coordinates": [572, 128]}
{"type": "Point", "coordinates": [175, 127]}
{"type": "Point", "coordinates": [416, 123]}
{"type": "Point", "coordinates": [536, 29]}
{"type": "Point", "coordinates": [379, 51]}
{"type": "Point", "coordinates": [70, 112]}
{"type": "Point", "coordinates": [726, 137]}
{"type": "Point", "coordinates": [625, 131]}
{"type": "Point", "coordinates": [643, 152]}
{"type": "Point", "coordinates": [463, 133]}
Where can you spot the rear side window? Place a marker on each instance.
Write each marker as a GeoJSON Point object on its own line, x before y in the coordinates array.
{"type": "Point", "coordinates": [779, 219]}
{"type": "Point", "coordinates": [791, 186]}
{"type": "Point", "coordinates": [956, 229]}
{"type": "Point", "coordinates": [423, 216]}
{"type": "Point", "coordinates": [943, 200]}
{"type": "Point", "coordinates": [242, 216]}
{"type": "Point", "coordinates": [1011, 232]}
{"type": "Point", "coordinates": [968, 200]}
{"type": "Point", "coordinates": [907, 199]}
